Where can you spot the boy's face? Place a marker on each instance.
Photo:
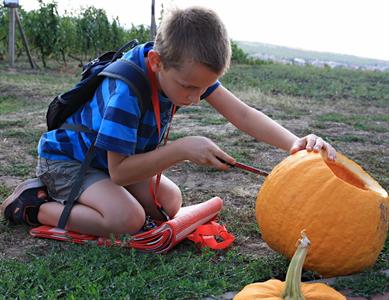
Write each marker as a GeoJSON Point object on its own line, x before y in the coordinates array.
{"type": "Point", "coordinates": [185, 85]}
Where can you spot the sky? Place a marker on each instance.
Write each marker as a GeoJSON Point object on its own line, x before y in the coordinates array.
{"type": "Point", "coordinates": [355, 27]}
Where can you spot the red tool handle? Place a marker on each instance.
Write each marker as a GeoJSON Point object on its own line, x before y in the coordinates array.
{"type": "Point", "coordinates": [245, 167]}
{"type": "Point", "coordinates": [250, 169]}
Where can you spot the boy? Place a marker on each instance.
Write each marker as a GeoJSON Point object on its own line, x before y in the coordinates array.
{"type": "Point", "coordinates": [190, 53]}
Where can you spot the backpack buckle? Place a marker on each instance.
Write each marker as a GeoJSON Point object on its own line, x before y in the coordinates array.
{"type": "Point", "coordinates": [90, 64]}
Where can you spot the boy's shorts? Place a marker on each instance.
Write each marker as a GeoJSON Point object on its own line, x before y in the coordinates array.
{"type": "Point", "coordinates": [59, 175]}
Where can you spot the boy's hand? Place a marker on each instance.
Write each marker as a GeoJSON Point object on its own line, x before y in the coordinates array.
{"type": "Point", "coordinates": [314, 143]}
{"type": "Point", "coordinates": [203, 151]}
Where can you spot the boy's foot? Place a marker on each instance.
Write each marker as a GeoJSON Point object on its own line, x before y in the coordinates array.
{"type": "Point", "coordinates": [149, 224]}
{"type": "Point", "coordinates": [22, 206]}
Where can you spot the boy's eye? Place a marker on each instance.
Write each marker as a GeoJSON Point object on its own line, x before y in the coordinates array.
{"type": "Point", "coordinates": [189, 87]}
{"type": "Point", "coordinates": [186, 86]}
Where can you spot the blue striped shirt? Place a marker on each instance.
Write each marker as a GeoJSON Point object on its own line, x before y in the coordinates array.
{"type": "Point", "coordinates": [114, 113]}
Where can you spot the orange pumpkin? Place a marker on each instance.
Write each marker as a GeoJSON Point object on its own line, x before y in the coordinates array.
{"type": "Point", "coordinates": [292, 288]}
{"type": "Point", "coordinates": [342, 208]}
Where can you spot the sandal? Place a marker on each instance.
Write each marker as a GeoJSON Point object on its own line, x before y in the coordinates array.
{"type": "Point", "coordinates": [22, 206]}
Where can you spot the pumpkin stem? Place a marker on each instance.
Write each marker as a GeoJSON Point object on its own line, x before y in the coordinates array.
{"type": "Point", "coordinates": [292, 289]}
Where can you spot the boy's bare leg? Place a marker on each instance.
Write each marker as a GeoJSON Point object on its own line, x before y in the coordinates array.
{"type": "Point", "coordinates": [102, 209]}
{"type": "Point", "coordinates": [169, 195]}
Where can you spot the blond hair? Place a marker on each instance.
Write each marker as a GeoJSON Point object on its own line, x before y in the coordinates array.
{"type": "Point", "coordinates": [193, 34]}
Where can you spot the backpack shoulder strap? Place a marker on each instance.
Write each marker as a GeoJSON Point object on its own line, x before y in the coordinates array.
{"type": "Point", "coordinates": [134, 77]}
{"type": "Point", "coordinates": [131, 44]}
{"type": "Point", "coordinates": [76, 186]}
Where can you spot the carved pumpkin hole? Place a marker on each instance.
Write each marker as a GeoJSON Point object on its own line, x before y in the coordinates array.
{"type": "Point", "coordinates": [346, 175]}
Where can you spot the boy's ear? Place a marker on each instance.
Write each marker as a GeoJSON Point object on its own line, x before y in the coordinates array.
{"type": "Point", "coordinates": [154, 60]}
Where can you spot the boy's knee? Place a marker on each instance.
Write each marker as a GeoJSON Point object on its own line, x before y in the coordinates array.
{"type": "Point", "coordinates": [174, 203]}
{"type": "Point", "coordinates": [130, 222]}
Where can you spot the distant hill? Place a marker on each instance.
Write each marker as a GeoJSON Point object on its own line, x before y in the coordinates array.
{"type": "Point", "coordinates": [298, 56]}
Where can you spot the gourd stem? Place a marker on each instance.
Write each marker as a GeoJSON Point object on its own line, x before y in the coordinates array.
{"type": "Point", "coordinates": [292, 289]}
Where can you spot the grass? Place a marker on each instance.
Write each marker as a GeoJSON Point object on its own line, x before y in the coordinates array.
{"type": "Point", "coordinates": [12, 124]}
{"type": "Point", "coordinates": [10, 104]}
{"type": "Point", "coordinates": [348, 108]}
{"type": "Point", "coordinates": [90, 272]}
{"type": "Point", "coordinates": [365, 284]}
{"type": "Point", "coordinates": [374, 123]}
{"type": "Point", "coordinates": [29, 135]}
{"type": "Point", "coordinates": [352, 119]}
{"type": "Point", "coordinates": [16, 169]}
{"type": "Point", "coordinates": [311, 82]}
{"type": "Point", "coordinates": [348, 138]}
{"type": "Point", "coordinates": [4, 191]}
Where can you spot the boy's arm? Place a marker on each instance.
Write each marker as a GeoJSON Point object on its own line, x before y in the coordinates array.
{"type": "Point", "coordinates": [250, 120]}
{"type": "Point", "coordinates": [260, 126]}
{"type": "Point", "coordinates": [125, 170]}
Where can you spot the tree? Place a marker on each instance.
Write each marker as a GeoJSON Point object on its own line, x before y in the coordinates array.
{"type": "Point", "coordinates": [67, 37]}
{"type": "Point", "coordinates": [94, 28]}
{"type": "Point", "coordinates": [141, 33]}
{"type": "Point", "coordinates": [42, 28]}
{"type": "Point", "coordinates": [4, 21]}
{"type": "Point", "coordinates": [238, 55]}
{"type": "Point", "coordinates": [117, 34]}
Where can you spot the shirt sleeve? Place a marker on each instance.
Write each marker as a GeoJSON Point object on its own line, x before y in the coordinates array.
{"type": "Point", "coordinates": [120, 122]}
{"type": "Point", "coordinates": [210, 90]}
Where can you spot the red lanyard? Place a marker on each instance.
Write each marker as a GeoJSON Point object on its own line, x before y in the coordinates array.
{"type": "Point", "coordinates": [157, 114]}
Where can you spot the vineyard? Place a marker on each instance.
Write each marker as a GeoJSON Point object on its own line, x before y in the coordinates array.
{"type": "Point", "coordinates": [82, 36]}
{"type": "Point", "coordinates": [79, 36]}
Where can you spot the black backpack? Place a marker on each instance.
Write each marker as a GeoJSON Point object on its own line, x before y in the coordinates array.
{"type": "Point", "coordinates": [64, 105]}
{"type": "Point", "coordinates": [106, 65]}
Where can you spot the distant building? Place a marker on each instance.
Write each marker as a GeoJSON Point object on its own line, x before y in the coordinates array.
{"type": "Point", "coordinates": [299, 61]}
